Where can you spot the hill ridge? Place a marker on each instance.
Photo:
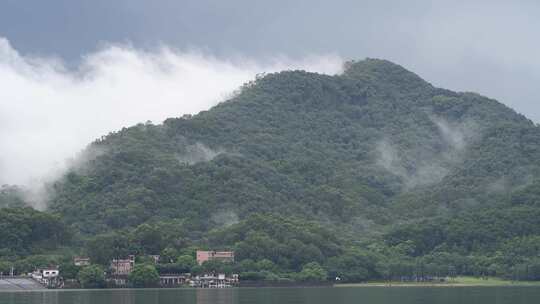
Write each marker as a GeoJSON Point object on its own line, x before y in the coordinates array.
{"type": "Point", "coordinates": [372, 164]}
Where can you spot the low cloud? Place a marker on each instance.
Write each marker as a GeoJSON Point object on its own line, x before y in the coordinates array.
{"type": "Point", "coordinates": [424, 165]}
{"type": "Point", "coordinates": [48, 113]}
{"type": "Point", "coordinates": [225, 218]}
{"type": "Point", "coordinates": [198, 153]}
{"type": "Point", "coordinates": [413, 171]}
{"type": "Point", "coordinates": [456, 135]}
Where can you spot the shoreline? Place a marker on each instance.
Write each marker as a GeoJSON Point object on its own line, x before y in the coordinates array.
{"type": "Point", "coordinates": [458, 282]}
{"type": "Point", "coordinates": [351, 285]}
{"type": "Point", "coordinates": [363, 285]}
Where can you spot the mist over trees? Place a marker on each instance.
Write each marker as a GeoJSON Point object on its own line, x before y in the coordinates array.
{"type": "Point", "coordinates": [371, 174]}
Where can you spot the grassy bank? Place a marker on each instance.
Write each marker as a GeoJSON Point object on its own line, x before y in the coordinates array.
{"type": "Point", "coordinates": [458, 281]}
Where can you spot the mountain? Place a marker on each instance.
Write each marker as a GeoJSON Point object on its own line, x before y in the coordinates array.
{"type": "Point", "coordinates": [364, 171]}
{"type": "Point", "coordinates": [351, 148]}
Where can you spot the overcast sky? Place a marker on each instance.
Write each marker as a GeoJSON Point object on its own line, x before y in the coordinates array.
{"type": "Point", "coordinates": [163, 52]}
{"type": "Point", "coordinates": [491, 47]}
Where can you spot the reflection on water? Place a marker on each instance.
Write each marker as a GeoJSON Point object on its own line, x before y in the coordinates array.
{"type": "Point", "coordinates": [367, 295]}
{"type": "Point", "coordinates": [217, 296]}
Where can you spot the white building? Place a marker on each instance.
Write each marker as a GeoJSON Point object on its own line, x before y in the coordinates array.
{"type": "Point", "coordinates": [47, 273]}
{"type": "Point", "coordinates": [81, 261]}
{"type": "Point", "coordinates": [47, 276]}
{"type": "Point", "coordinates": [214, 281]}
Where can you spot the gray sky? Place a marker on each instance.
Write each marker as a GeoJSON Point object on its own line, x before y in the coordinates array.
{"type": "Point", "coordinates": [490, 47]}
{"type": "Point", "coordinates": [126, 52]}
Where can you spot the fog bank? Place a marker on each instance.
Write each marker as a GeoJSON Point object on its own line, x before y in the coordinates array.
{"type": "Point", "coordinates": [49, 113]}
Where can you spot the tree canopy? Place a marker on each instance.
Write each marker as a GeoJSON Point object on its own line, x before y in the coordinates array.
{"type": "Point", "coordinates": [370, 174]}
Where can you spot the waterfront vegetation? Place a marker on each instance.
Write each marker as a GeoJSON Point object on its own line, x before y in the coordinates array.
{"type": "Point", "coordinates": [371, 175]}
{"type": "Point", "coordinates": [461, 281]}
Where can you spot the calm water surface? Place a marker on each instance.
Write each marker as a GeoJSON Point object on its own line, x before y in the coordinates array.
{"type": "Point", "coordinates": [357, 295]}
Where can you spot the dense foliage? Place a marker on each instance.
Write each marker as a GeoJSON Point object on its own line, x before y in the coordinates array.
{"type": "Point", "coordinates": [26, 231]}
{"type": "Point", "coordinates": [92, 276]}
{"type": "Point", "coordinates": [11, 196]}
{"type": "Point", "coordinates": [370, 174]}
{"type": "Point", "coordinates": [144, 275]}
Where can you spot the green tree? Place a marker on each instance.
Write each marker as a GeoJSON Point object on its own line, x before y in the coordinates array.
{"type": "Point", "coordinates": [216, 266]}
{"type": "Point", "coordinates": [313, 272]}
{"type": "Point", "coordinates": [168, 255]}
{"type": "Point", "coordinates": [103, 248]}
{"type": "Point", "coordinates": [5, 267]}
{"type": "Point", "coordinates": [25, 231]}
{"type": "Point", "coordinates": [149, 238]}
{"type": "Point", "coordinates": [353, 266]}
{"type": "Point", "coordinates": [144, 275]}
{"type": "Point", "coordinates": [91, 276]}
{"type": "Point", "coordinates": [186, 262]}
{"type": "Point", "coordinates": [266, 265]}
{"type": "Point", "coordinates": [12, 196]}
{"type": "Point", "coordinates": [69, 270]}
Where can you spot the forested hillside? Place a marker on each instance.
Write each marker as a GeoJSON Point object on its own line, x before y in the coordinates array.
{"type": "Point", "coordinates": [363, 175]}
{"type": "Point", "coordinates": [11, 196]}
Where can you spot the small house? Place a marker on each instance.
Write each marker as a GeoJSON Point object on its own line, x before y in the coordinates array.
{"type": "Point", "coordinates": [224, 256]}
{"type": "Point", "coordinates": [49, 276]}
{"type": "Point", "coordinates": [123, 266]}
{"type": "Point", "coordinates": [81, 261]}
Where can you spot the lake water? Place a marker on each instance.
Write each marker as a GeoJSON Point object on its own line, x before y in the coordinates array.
{"type": "Point", "coordinates": [356, 295]}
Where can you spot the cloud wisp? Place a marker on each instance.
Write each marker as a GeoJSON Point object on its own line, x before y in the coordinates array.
{"type": "Point", "coordinates": [49, 113]}
{"type": "Point", "coordinates": [429, 163]}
